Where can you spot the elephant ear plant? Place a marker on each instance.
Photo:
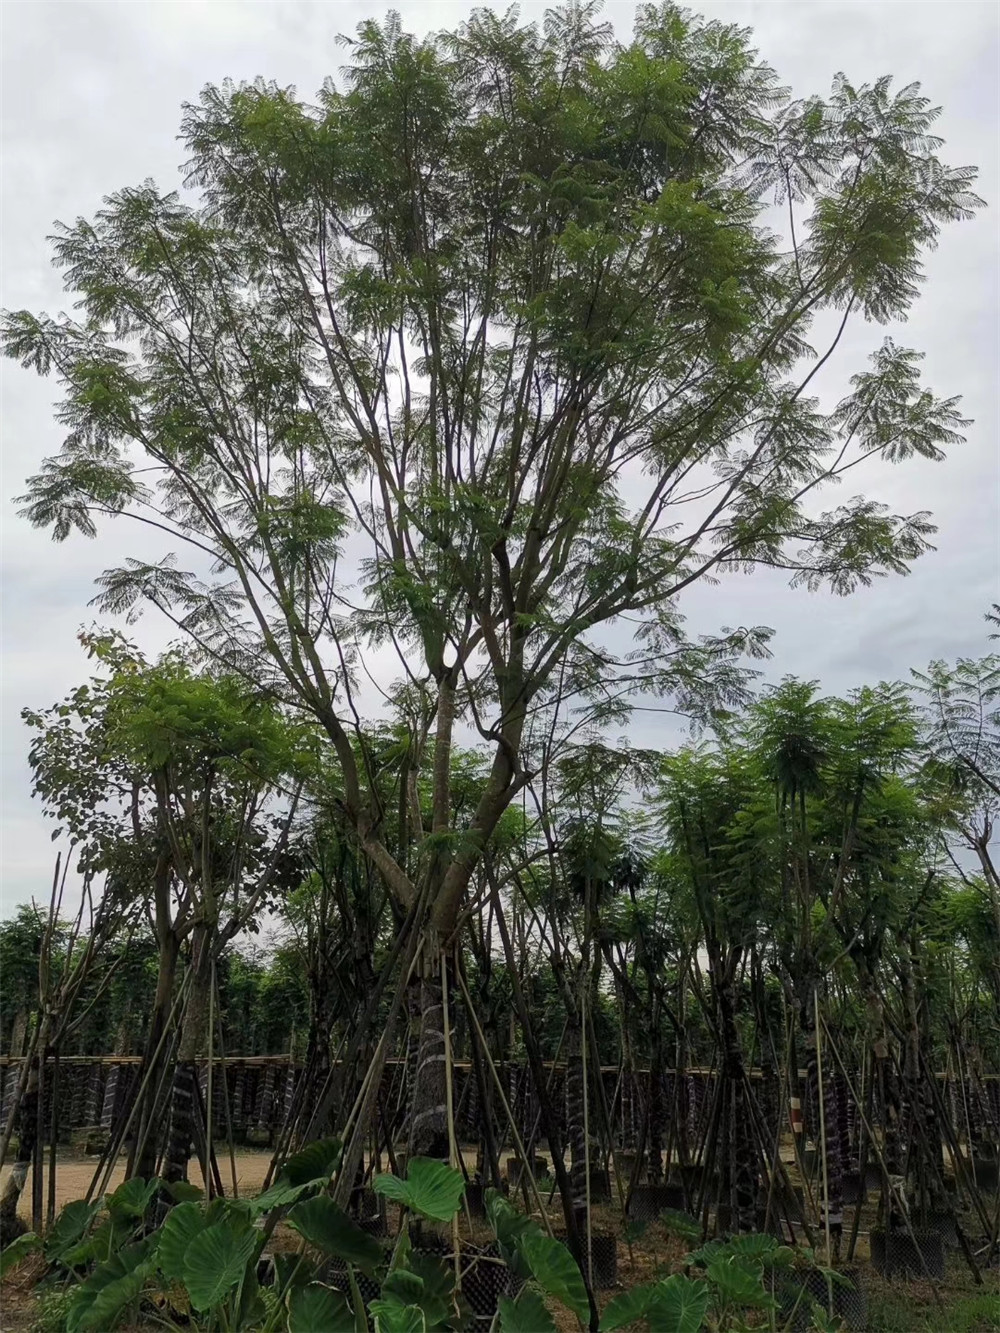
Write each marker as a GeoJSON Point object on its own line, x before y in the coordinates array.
{"type": "Point", "coordinates": [742, 1283]}
{"type": "Point", "coordinates": [201, 1264]}
{"type": "Point", "coordinates": [728, 1286]}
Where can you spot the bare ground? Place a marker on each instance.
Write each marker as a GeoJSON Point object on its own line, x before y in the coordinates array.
{"type": "Point", "coordinates": [75, 1171]}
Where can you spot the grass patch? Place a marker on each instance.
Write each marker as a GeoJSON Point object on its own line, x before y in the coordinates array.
{"type": "Point", "coordinates": [899, 1308]}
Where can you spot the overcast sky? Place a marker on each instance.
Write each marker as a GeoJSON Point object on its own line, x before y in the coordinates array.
{"type": "Point", "coordinates": [91, 96]}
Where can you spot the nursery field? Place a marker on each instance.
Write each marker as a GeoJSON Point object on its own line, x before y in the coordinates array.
{"type": "Point", "coordinates": [452, 925]}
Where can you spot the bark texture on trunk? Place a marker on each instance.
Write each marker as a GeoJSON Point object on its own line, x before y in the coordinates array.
{"type": "Point", "coordinates": [11, 1225]}
{"type": "Point", "coordinates": [180, 1126]}
{"type": "Point", "coordinates": [428, 1126]}
{"type": "Point", "coordinates": [182, 1118]}
{"type": "Point", "coordinates": [143, 1157]}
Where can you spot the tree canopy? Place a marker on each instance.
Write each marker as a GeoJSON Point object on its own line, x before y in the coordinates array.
{"type": "Point", "coordinates": [493, 346]}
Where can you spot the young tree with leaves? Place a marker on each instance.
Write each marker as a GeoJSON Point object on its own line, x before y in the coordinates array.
{"type": "Point", "coordinates": [181, 786]}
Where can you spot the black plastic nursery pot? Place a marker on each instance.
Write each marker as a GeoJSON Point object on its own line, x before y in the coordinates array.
{"type": "Point", "coordinates": [600, 1184]}
{"type": "Point", "coordinates": [604, 1252]}
{"type": "Point", "coordinates": [625, 1162]}
{"type": "Point", "coordinates": [799, 1292]}
{"type": "Point", "coordinates": [368, 1209]}
{"type": "Point", "coordinates": [336, 1275]}
{"type": "Point", "coordinates": [873, 1176]}
{"type": "Point", "coordinates": [853, 1191]}
{"type": "Point", "coordinates": [943, 1223]}
{"type": "Point", "coordinates": [647, 1202]}
{"type": "Point", "coordinates": [725, 1222]}
{"type": "Point", "coordinates": [986, 1171]}
{"type": "Point", "coordinates": [475, 1199]}
{"type": "Point", "coordinates": [691, 1177]}
{"type": "Point", "coordinates": [515, 1168]}
{"type": "Point", "coordinates": [364, 1202]}
{"type": "Point", "coordinates": [900, 1254]}
{"type": "Point", "coordinates": [485, 1278]}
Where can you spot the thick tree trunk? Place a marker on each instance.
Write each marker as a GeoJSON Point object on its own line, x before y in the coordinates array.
{"type": "Point", "coordinates": [11, 1225]}
{"type": "Point", "coordinates": [19, 1032]}
{"type": "Point", "coordinates": [740, 1163]}
{"type": "Point", "coordinates": [143, 1155]}
{"type": "Point", "coordinates": [194, 1028]}
{"type": "Point", "coordinates": [427, 1134]}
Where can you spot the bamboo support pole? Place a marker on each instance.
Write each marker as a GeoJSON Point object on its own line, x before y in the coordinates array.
{"type": "Point", "coordinates": [822, 1126]}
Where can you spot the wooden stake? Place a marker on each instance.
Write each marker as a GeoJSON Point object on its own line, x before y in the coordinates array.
{"type": "Point", "coordinates": [210, 1081]}
{"type": "Point", "coordinates": [449, 1084]}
